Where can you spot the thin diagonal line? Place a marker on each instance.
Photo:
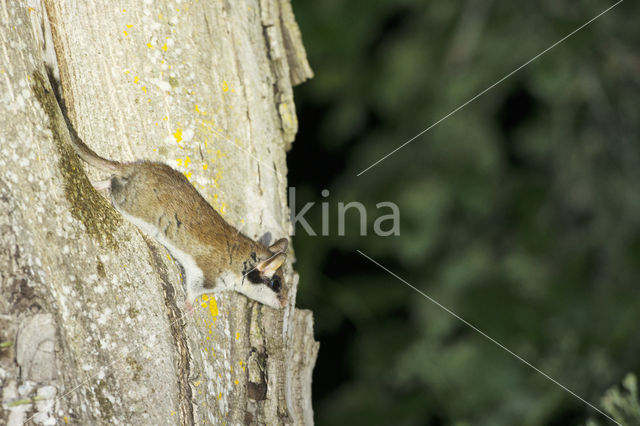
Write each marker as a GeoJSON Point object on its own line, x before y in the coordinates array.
{"type": "Point", "coordinates": [106, 367]}
{"type": "Point", "coordinates": [266, 260]}
{"type": "Point", "coordinates": [500, 345]}
{"type": "Point", "coordinates": [491, 87]}
{"type": "Point", "coordinates": [228, 140]}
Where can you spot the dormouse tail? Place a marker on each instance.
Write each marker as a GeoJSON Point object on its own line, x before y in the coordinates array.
{"type": "Point", "coordinates": [89, 155]}
{"type": "Point", "coordinates": [83, 151]}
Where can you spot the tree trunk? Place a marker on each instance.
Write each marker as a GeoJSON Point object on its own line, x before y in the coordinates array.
{"type": "Point", "coordinates": [92, 325]}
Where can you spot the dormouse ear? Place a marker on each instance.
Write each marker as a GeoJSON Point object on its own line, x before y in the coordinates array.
{"type": "Point", "coordinates": [279, 246]}
{"type": "Point", "coordinates": [265, 240]}
{"type": "Point", "coordinates": [269, 267]}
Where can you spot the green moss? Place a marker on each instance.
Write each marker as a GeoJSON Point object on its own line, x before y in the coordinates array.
{"type": "Point", "coordinates": [132, 313]}
{"type": "Point", "coordinates": [135, 367]}
{"type": "Point", "coordinates": [106, 408]}
{"type": "Point", "coordinates": [173, 82]}
{"type": "Point", "coordinates": [100, 269]}
{"type": "Point", "coordinates": [87, 206]}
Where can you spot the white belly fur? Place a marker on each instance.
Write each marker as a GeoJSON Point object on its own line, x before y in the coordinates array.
{"type": "Point", "coordinates": [194, 277]}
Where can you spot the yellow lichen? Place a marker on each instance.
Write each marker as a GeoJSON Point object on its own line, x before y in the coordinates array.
{"type": "Point", "coordinates": [178, 135]}
{"type": "Point", "coordinates": [213, 308]}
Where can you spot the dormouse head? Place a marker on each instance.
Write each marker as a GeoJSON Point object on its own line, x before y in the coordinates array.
{"type": "Point", "coordinates": [265, 277]}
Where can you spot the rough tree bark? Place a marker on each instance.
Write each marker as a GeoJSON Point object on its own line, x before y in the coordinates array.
{"type": "Point", "coordinates": [91, 311]}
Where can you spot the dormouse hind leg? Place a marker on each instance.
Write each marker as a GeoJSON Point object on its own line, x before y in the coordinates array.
{"type": "Point", "coordinates": [101, 185]}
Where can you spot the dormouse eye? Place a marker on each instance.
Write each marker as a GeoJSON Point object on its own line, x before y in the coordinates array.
{"type": "Point", "coordinates": [255, 277]}
{"type": "Point", "coordinates": [275, 284]}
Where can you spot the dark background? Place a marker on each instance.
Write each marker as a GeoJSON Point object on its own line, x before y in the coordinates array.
{"type": "Point", "coordinates": [521, 212]}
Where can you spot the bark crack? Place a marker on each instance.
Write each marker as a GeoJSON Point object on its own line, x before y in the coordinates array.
{"type": "Point", "coordinates": [177, 325]}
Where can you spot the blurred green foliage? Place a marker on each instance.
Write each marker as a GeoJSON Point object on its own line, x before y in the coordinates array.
{"type": "Point", "coordinates": [521, 212]}
{"type": "Point", "coordinates": [623, 405]}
